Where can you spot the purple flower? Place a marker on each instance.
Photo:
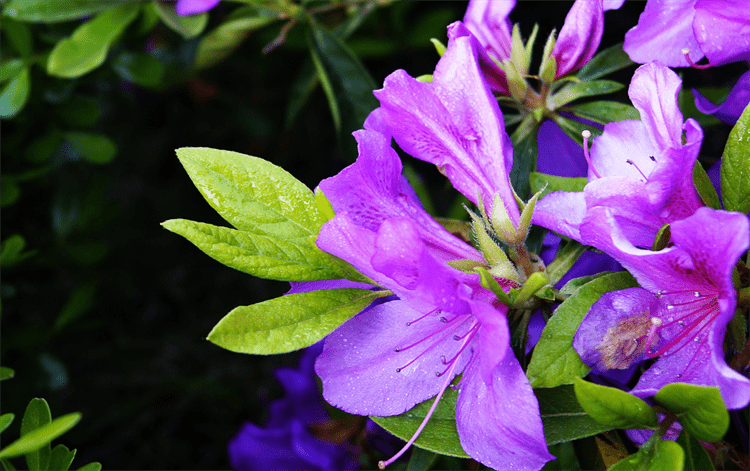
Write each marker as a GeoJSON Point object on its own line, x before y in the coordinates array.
{"type": "Point", "coordinates": [193, 7]}
{"type": "Point", "coordinates": [397, 354]}
{"type": "Point", "coordinates": [681, 313]}
{"type": "Point", "coordinates": [729, 111]}
{"type": "Point", "coordinates": [641, 170]}
{"type": "Point", "coordinates": [716, 29]}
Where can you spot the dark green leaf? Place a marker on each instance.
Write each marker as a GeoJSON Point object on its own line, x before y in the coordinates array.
{"type": "Point", "coordinates": [696, 457]}
{"type": "Point", "coordinates": [37, 415]}
{"type": "Point", "coordinates": [10, 68]}
{"type": "Point", "coordinates": [701, 410]}
{"type": "Point", "coordinates": [566, 256]}
{"type": "Point", "coordinates": [663, 455]}
{"type": "Point", "coordinates": [563, 418]}
{"type": "Point", "coordinates": [704, 187]}
{"type": "Point", "coordinates": [95, 148]}
{"type": "Point", "coordinates": [290, 322]}
{"type": "Point", "coordinates": [574, 91]}
{"type": "Point", "coordinates": [95, 466]}
{"type": "Point", "coordinates": [606, 62]}
{"type": "Point", "coordinates": [555, 361]}
{"type": "Point", "coordinates": [87, 48]}
{"type": "Point", "coordinates": [662, 238]}
{"type": "Point", "coordinates": [258, 254]}
{"type": "Point", "coordinates": [573, 285]}
{"type": "Point", "coordinates": [80, 301]}
{"type": "Point", "coordinates": [186, 26]}
{"type": "Point", "coordinates": [7, 465]}
{"type": "Point", "coordinates": [613, 407]}
{"type": "Point", "coordinates": [735, 166]}
{"type": "Point", "coordinates": [217, 45]}
{"type": "Point", "coordinates": [61, 458]}
{"type": "Point", "coordinates": [566, 458]}
{"type": "Point", "coordinates": [40, 437]}
{"type": "Point", "coordinates": [574, 128]}
{"type": "Point", "coordinates": [9, 191]}
{"type": "Point", "coordinates": [79, 112]}
{"type": "Point", "coordinates": [6, 420]}
{"type": "Point", "coordinates": [605, 112]}
{"type": "Point", "coordinates": [19, 35]}
{"type": "Point", "coordinates": [555, 183]}
{"type": "Point", "coordinates": [439, 435]}
{"type": "Point", "coordinates": [53, 11]}
{"type": "Point", "coordinates": [141, 68]}
{"type": "Point", "coordinates": [14, 94]}
{"type": "Point", "coordinates": [524, 155]}
{"type": "Point", "coordinates": [11, 249]}
{"type": "Point", "coordinates": [421, 459]}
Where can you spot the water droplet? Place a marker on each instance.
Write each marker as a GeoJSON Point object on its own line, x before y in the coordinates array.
{"type": "Point", "coordinates": [438, 374]}
{"type": "Point", "coordinates": [443, 319]}
{"type": "Point", "coordinates": [397, 349]}
{"type": "Point", "coordinates": [408, 324]}
{"type": "Point", "coordinates": [678, 375]}
{"type": "Point", "coordinates": [669, 306]}
{"type": "Point", "coordinates": [456, 337]}
{"type": "Point", "coordinates": [697, 294]}
{"type": "Point", "coordinates": [398, 370]}
{"type": "Point", "coordinates": [697, 339]}
{"type": "Point", "coordinates": [682, 323]}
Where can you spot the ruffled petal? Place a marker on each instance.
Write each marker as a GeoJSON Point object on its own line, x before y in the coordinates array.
{"type": "Point", "coordinates": [579, 37]}
{"type": "Point", "coordinates": [722, 28]}
{"type": "Point", "coordinates": [736, 102]}
{"type": "Point", "coordinates": [654, 92]}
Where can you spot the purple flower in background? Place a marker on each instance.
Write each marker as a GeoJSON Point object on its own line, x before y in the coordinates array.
{"type": "Point", "coordinates": [400, 353]}
{"type": "Point", "coordinates": [193, 7]}
{"type": "Point", "coordinates": [729, 111]}
{"type": "Point", "coordinates": [681, 313]}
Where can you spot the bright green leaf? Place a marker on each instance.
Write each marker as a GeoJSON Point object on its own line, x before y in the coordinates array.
{"type": "Point", "coordinates": [563, 418]}
{"type": "Point", "coordinates": [14, 94]}
{"type": "Point", "coordinates": [696, 457]}
{"type": "Point", "coordinates": [605, 112]}
{"type": "Point", "coordinates": [37, 415]}
{"type": "Point", "coordinates": [6, 420]}
{"type": "Point", "coordinates": [735, 166]}
{"type": "Point", "coordinates": [555, 361]}
{"type": "Point", "coordinates": [54, 11]}
{"type": "Point", "coordinates": [6, 373]}
{"type": "Point", "coordinates": [186, 26]}
{"type": "Point", "coordinates": [95, 148]}
{"type": "Point", "coordinates": [439, 435]}
{"type": "Point", "coordinates": [252, 194]}
{"type": "Point", "coordinates": [87, 48]}
{"type": "Point", "coordinates": [95, 466]}
{"type": "Point", "coordinates": [40, 437]}
{"type": "Point", "coordinates": [574, 91]}
{"type": "Point", "coordinates": [704, 187]}
{"type": "Point", "coordinates": [605, 62]}
{"type": "Point", "coordinates": [663, 455]}
{"type": "Point", "coordinates": [289, 322]}
{"type": "Point", "coordinates": [61, 458]}
{"type": "Point", "coordinates": [613, 407]}
{"type": "Point", "coordinates": [258, 254]}
{"type": "Point", "coordinates": [138, 67]}
{"type": "Point", "coordinates": [700, 409]}
{"type": "Point", "coordinates": [555, 183]}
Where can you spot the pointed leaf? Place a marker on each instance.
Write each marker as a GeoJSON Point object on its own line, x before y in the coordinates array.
{"type": "Point", "coordinates": [37, 415]}
{"type": "Point", "coordinates": [554, 183]}
{"type": "Point", "coordinates": [574, 128]}
{"type": "Point", "coordinates": [604, 112]}
{"type": "Point", "coordinates": [663, 455]}
{"type": "Point", "coordinates": [61, 458]}
{"type": "Point", "coordinates": [40, 437]}
{"type": "Point", "coordinates": [704, 187]}
{"type": "Point", "coordinates": [14, 94]}
{"type": "Point", "coordinates": [735, 166]}
{"type": "Point", "coordinates": [696, 457]}
{"type": "Point", "coordinates": [421, 460]}
{"type": "Point", "coordinates": [258, 254]}
{"type": "Point", "coordinates": [95, 466]}
{"type": "Point", "coordinates": [6, 420]}
{"type": "Point", "coordinates": [54, 11]}
{"type": "Point", "coordinates": [6, 373]}
{"type": "Point", "coordinates": [524, 155]}
{"type": "Point", "coordinates": [613, 407]}
{"type": "Point", "coordinates": [575, 91]}
{"type": "Point", "coordinates": [606, 62]}
{"type": "Point", "coordinates": [95, 148]}
{"type": "Point", "coordinates": [186, 26]}
{"type": "Point", "coordinates": [700, 409]}
{"type": "Point", "coordinates": [290, 322]}
{"type": "Point", "coordinates": [138, 67]}
{"type": "Point", "coordinates": [563, 418]}
{"type": "Point", "coordinates": [555, 361]}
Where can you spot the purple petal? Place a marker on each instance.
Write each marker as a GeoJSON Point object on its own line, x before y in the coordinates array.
{"type": "Point", "coordinates": [722, 28]}
{"type": "Point", "coordinates": [612, 4]}
{"type": "Point", "coordinates": [558, 154]}
{"type": "Point", "coordinates": [621, 142]}
{"type": "Point", "coordinates": [493, 74]}
{"type": "Point", "coordinates": [514, 438]}
{"type": "Point", "coordinates": [359, 362]}
{"type": "Point", "coordinates": [561, 212]}
{"type": "Point", "coordinates": [302, 400]}
{"type": "Point", "coordinates": [193, 7]}
{"type": "Point", "coordinates": [729, 111]}
{"type": "Point", "coordinates": [455, 123]}
{"type": "Point", "coordinates": [664, 28]}
{"type": "Point", "coordinates": [640, 436]}
{"type": "Point", "coordinates": [489, 22]}
{"type": "Point", "coordinates": [654, 92]}
{"type": "Point", "coordinates": [579, 37]}
{"type": "Point", "coordinates": [307, 286]}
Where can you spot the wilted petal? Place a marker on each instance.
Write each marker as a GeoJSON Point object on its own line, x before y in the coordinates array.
{"type": "Point", "coordinates": [579, 37]}
{"type": "Point", "coordinates": [722, 28]}
{"type": "Point", "coordinates": [664, 29]}
{"type": "Point", "coordinates": [729, 111]}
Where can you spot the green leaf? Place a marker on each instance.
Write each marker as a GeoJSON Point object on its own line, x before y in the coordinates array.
{"type": "Point", "coordinates": [37, 415]}
{"type": "Point", "coordinates": [555, 361]}
{"type": "Point", "coordinates": [7, 465]}
{"type": "Point", "coordinates": [19, 35]}
{"type": "Point", "coordinates": [87, 48]}
{"type": "Point", "coordinates": [95, 466]}
{"type": "Point", "coordinates": [662, 238]}
{"type": "Point", "coordinates": [439, 435]}
{"type": "Point", "coordinates": [40, 437]}
{"type": "Point", "coordinates": [606, 62]}
{"type": "Point", "coordinates": [252, 194]}
{"type": "Point", "coordinates": [11, 252]}
{"type": "Point", "coordinates": [290, 322]}
{"type": "Point", "coordinates": [574, 128]}
{"type": "Point", "coordinates": [350, 86]}
{"type": "Point", "coordinates": [217, 45]}
{"type": "Point", "coordinates": [663, 455]}
{"type": "Point", "coordinates": [524, 156]}
{"type": "Point", "coordinates": [14, 94]}
{"type": "Point", "coordinates": [54, 11]}
{"type": "Point", "coordinates": [10, 68]}
{"type": "Point", "coordinates": [613, 407]}
{"type": "Point", "coordinates": [704, 187]}
{"type": "Point", "coordinates": [78, 112]}
{"type": "Point", "coordinates": [735, 166]}
{"type": "Point", "coordinates": [563, 418]}
{"type": "Point", "coordinates": [566, 256]}
{"type": "Point", "coordinates": [96, 148]}
{"type": "Point", "coordinates": [700, 409]}
{"type": "Point", "coordinates": [574, 91]}
{"type": "Point", "coordinates": [6, 420]}
{"type": "Point", "coordinates": [555, 183]}
{"type": "Point", "coordinates": [138, 67]}
{"type": "Point", "coordinates": [6, 373]}
{"type": "Point", "coordinates": [186, 26]}
{"type": "Point", "coordinates": [258, 254]}
{"type": "Point", "coordinates": [605, 112]}
{"type": "Point", "coordinates": [9, 191]}
{"type": "Point", "coordinates": [80, 301]}
{"type": "Point", "coordinates": [61, 458]}
{"type": "Point", "coordinates": [421, 459]}
{"type": "Point", "coordinates": [696, 457]}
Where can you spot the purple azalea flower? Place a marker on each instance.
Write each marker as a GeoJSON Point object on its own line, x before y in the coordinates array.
{"type": "Point", "coordinates": [729, 111]}
{"type": "Point", "coordinates": [193, 7]}
{"type": "Point", "coordinates": [403, 352]}
{"type": "Point", "coordinates": [716, 29]}
{"type": "Point", "coordinates": [681, 313]}
{"type": "Point", "coordinates": [641, 170]}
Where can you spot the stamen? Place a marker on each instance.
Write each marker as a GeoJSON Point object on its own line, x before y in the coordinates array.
{"type": "Point", "coordinates": [652, 331]}
{"type": "Point", "coordinates": [653, 159]}
{"type": "Point", "coordinates": [686, 53]}
{"type": "Point", "coordinates": [636, 167]}
{"type": "Point", "coordinates": [448, 379]}
{"type": "Point", "coordinates": [586, 135]}
{"type": "Point", "coordinates": [449, 328]}
{"type": "Point", "coordinates": [417, 320]}
{"type": "Point", "coordinates": [678, 338]}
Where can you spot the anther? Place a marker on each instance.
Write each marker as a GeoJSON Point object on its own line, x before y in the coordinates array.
{"type": "Point", "coordinates": [586, 136]}
{"type": "Point", "coordinates": [636, 167]}
{"type": "Point", "coordinates": [653, 159]}
{"type": "Point", "coordinates": [686, 53]}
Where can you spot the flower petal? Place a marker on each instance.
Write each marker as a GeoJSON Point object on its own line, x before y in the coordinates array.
{"type": "Point", "coordinates": [729, 111]}
{"type": "Point", "coordinates": [579, 37]}
{"type": "Point", "coordinates": [722, 28]}
{"type": "Point", "coordinates": [558, 154]}
{"type": "Point", "coordinates": [561, 212]}
{"type": "Point", "coordinates": [493, 74]}
{"type": "Point", "coordinates": [193, 7]}
{"type": "Point", "coordinates": [489, 22]}
{"type": "Point", "coordinates": [654, 92]}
